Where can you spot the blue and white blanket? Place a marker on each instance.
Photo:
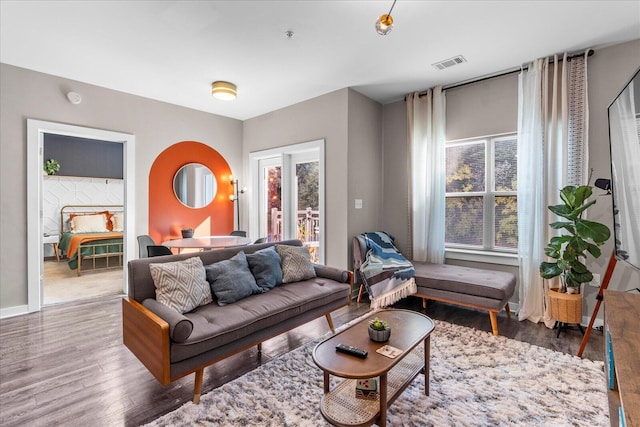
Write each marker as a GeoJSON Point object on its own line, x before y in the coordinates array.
{"type": "Point", "coordinates": [386, 273]}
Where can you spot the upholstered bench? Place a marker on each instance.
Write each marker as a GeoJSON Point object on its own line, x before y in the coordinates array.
{"type": "Point", "coordinates": [469, 287]}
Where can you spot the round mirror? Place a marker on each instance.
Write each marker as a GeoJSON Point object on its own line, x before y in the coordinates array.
{"type": "Point", "coordinates": [194, 185]}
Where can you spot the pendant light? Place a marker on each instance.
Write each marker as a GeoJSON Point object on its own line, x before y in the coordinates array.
{"type": "Point", "coordinates": [384, 24]}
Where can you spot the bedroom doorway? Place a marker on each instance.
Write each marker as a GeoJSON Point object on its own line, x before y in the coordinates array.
{"type": "Point", "coordinates": [70, 285]}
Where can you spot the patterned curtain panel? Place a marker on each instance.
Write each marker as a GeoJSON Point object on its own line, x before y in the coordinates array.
{"type": "Point", "coordinates": [553, 117]}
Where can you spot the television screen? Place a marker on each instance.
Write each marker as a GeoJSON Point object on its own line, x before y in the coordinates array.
{"type": "Point", "coordinates": [624, 134]}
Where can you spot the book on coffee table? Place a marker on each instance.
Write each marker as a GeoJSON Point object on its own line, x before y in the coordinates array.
{"type": "Point", "coordinates": [367, 389]}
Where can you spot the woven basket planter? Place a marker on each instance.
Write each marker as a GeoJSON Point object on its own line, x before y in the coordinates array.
{"type": "Point", "coordinates": [565, 308]}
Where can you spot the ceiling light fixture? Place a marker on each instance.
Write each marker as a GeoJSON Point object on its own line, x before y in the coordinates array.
{"type": "Point", "coordinates": [224, 90]}
{"type": "Point", "coordinates": [384, 24]}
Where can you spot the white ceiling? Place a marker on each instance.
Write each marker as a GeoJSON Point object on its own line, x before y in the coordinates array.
{"type": "Point", "coordinates": [172, 50]}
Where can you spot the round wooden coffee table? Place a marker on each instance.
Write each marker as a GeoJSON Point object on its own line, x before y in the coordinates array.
{"type": "Point", "coordinates": [340, 405]}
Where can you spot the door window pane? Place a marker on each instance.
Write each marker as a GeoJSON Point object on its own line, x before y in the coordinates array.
{"type": "Point", "coordinates": [274, 203]}
{"type": "Point", "coordinates": [308, 212]}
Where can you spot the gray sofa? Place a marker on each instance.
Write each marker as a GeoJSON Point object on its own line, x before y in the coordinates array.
{"type": "Point", "coordinates": [469, 287]}
{"type": "Point", "coordinates": [172, 345]}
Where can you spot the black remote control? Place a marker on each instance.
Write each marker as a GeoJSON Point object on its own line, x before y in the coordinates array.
{"type": "Point", "coordinates": [355, 351]}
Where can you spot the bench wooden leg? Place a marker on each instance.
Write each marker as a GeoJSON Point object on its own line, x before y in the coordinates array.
{"type": "Point", "coordinates": [494, 322]}
{"type": "Point", "coordinates": [197, 387]}
{"type": "Point", "coordinates": [360, 293]}
{"type": "Point", "coordinates": [330, 322]}
{"type": "Point", "coordinates": [506, 308]}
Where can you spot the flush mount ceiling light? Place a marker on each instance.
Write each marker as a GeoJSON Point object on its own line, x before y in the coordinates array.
{"type": "Point", "coordinates": [224, 90]}
{"type": "Point", "coordinates": [384, 24]}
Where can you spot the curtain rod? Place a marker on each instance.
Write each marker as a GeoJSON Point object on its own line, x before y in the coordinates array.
{"type": "Point", "coordinates": [590, 52]}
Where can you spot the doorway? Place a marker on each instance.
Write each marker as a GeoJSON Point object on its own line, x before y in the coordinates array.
{"type": "Point", "coordinates": [290, 195]}
{"type": "Point", "coordinates": [36, 131]}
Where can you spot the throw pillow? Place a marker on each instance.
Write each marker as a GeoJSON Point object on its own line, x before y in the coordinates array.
{"type": "Point", "coordinates": [296, 263]}
{"type": "Point", "coordinates": [265, 267]}
{"type": "Point", "coordinates": [181, 285]}
{"type": "Point", "coordinates": [231, 280]}
{"type": "Point", "coordinates": [89, 223]}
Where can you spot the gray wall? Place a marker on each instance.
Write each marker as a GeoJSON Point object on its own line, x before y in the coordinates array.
{"type": "Point", "coordinates": [156, 126]}
{"type": "Point", "coordinates": [490, 107]}
{"type": "Point", "coordinates": [350, 125]}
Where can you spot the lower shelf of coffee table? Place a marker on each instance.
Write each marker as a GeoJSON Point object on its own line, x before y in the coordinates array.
{"type": "Point", "coordinates": [341, 407]}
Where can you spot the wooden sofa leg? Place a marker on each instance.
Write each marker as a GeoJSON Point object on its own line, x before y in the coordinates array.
{"type": "Point", "coordinates": [494, 322]}
{"type": "Point", "coordinates": [197, 387]}
{"type": "Point", "coordinates": [360, 293]}
{"type": "Point", "coordinates": [506, 308]}
{"type": "Point", "coordinates": [424, 303]}
{"type": "Point", "coordinates": [330, 322]}
{"type": "Point", "coordinates": [259, 347]}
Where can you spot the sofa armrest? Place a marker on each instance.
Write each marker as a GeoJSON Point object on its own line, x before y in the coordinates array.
{"type": "Point", "coordinates": [180, 327]}
{"type": "Point", "coordinates": [147, 336]}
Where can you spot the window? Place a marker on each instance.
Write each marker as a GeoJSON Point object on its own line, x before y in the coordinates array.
{"type": "Point", "coordinates": [481, 198]}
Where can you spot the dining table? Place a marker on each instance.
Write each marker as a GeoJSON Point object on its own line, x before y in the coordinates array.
{"type": "Point", "coordinates": [207, 242]}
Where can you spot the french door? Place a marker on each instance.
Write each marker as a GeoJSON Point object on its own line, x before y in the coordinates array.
{"type": "Point", "coordinates": [290, 198]}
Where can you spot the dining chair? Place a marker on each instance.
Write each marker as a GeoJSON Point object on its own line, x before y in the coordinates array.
{"type": "Point", "coordinates": [240, 233]}
{"type": "Point", "coordinates": [158, 250]}
{"type": "Point", "coordinates": [144, 241]}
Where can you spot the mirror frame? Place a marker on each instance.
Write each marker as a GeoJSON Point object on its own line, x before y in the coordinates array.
{"type": "Point", "coordinates": [185, 177]}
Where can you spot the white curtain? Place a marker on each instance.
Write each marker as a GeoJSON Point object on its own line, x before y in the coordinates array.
{"type": "Point", "coordinates": [552, 153]}
{"type": "Point", "coordinates": [426, 136]}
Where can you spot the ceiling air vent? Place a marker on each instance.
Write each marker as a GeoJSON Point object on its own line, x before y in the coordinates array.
{"type": "Point", "coordinates": [447, 63]}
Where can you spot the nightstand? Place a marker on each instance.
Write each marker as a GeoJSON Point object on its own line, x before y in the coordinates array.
{"type": "Point", "coordinates": [52, 239]}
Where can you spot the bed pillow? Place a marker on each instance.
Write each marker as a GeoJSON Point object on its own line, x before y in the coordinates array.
{"type": "Point", "coordinates": [89, 223]}
{"type": "Point", "coordinates": [265, 267]}
{"type": "Point", "coordinates": [181, 285]}
{"type": "Point", "coordinates": [296, 263]}
{"type": "Point", "coordinates": [231, 280]}
{"type": "Point", "coordinates": [117, 220]}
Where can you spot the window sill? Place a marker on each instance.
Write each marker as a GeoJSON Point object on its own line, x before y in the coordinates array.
{"type": "Point", "coordinates": [487, 257]}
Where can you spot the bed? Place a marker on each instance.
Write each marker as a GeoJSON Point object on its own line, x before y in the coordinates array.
{"type": "Point", "coordinates": [91, 237]}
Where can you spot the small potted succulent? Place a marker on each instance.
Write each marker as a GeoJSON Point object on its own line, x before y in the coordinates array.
{"type": "Point", "coordinates": [379, 330]}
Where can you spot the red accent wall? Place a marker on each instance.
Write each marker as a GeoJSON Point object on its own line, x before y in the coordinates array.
{"type": "Point", "coordinates": [167, 216]}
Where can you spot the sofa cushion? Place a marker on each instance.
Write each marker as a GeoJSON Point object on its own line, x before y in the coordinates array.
{"type": "Point", "coordinates": [296, 263]}
{"type": "Point", "coordinates": [215, 326]}
{"type": "Point", "coordinates": [231, 280]}
{"type": "Point", "coordinates": [265, 267]}
{"type": "Point", "coordinates": [496, 285]}
{"type": "Point", "coordinates": [181, 285]}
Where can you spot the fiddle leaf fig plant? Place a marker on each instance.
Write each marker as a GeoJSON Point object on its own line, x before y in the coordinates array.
{"type": "Point", "coordinates": [581, 236]}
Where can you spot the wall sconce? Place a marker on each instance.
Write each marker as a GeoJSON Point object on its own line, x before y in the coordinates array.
{"type": "Point", "coordinates": [235, 197]}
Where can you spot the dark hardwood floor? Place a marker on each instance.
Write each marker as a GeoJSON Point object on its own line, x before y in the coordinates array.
{"type": "Point", "coordinates": [66, 365]}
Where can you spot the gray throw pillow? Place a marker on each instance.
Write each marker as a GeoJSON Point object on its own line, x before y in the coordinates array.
{"type": "Point", "coordinates": [181, 285]}
{"type": "Point", "coordinates": [265, 267]}
{"type": "Point", "coordinates": [296, 263]}
{"type": "Point", "coordinates": [231, 280]}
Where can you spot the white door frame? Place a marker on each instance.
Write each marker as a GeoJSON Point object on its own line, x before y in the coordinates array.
{"type": "Point", "coordinates": [35, 143]}
{"type": "Point", "coordinates": [285, 154]}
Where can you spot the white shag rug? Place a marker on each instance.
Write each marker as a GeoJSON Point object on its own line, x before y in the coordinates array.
{"type": "Point", "coordinates": [476, 380]}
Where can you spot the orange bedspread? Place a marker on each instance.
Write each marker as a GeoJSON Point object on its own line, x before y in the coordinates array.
{"type": "Point", "coordinates": [77, 240]}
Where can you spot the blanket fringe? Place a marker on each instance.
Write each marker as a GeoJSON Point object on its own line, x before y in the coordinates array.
{"type": "Point", "coordinates": [407, 288]}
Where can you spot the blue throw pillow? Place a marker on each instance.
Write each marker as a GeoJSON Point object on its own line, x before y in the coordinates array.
{"type": "Point", "coordinates": [231, 280]}
{"type": "Point", "coordinates": [265, 266]}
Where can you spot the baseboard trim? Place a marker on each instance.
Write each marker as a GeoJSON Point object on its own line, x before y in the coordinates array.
{"type": "Point", "coordinates": [13, 311]}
